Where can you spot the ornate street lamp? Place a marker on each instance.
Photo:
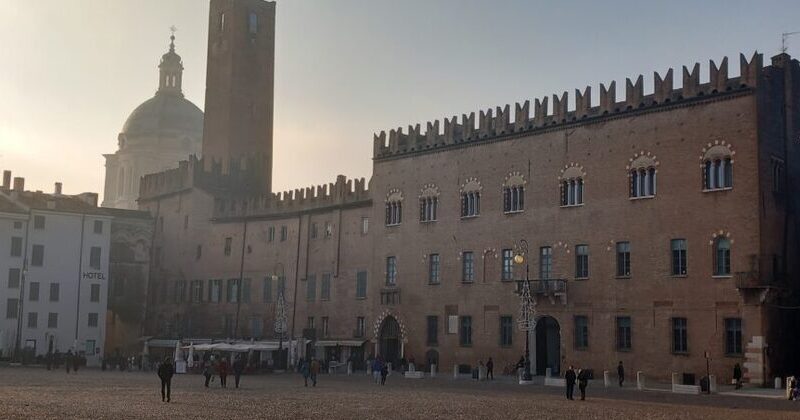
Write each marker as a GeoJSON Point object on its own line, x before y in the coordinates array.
{"type": "Point", "coordinates": [527, 309]}
{"type": "Point", "coordinates": [280, 314]}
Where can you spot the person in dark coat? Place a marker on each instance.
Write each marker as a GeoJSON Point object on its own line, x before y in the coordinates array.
{"type": "Point", "coordinates": [570, 378]}
{"type": "Point", "coordinates": [222, 370]}
{"type": "Point", "coordinates": [384, 372]}
{"type": "Point", "coordinates": [68, 360]}
{"type": "Point", "coordinates": [313, 370]}
{"type": "Point", "coordinates": [238, 368]}
{"type": "Point", "coordinates": [583, 381]}
{"type": "Point", "coordinates": [305, 370]}
{"type": "Point", "coordinates": [490, 369]}
{"type": "Point", "coordinates": [208, 371]}
{"type": "Point", "coordinates": [165, 372]}
{"type": "Point", "coordinates": [737, 375]}
{"type": "Point", "coordinates": [620, 373]}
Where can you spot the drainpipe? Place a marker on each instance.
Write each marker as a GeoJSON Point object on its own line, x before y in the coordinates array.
{"type": "Point", "coordinates": [241, 279]}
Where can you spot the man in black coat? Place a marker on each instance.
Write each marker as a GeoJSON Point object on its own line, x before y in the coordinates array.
{"type": "Point", "coordinates": [570, 379]}
{"type": "Point", "coordinates": [620, 373]}
{"type": "Point", "coordinates": [165, 372]}
{"type": "Point", "coordinates": [238, 368]}
{"type": "Point", "coordinates": [583, 381]}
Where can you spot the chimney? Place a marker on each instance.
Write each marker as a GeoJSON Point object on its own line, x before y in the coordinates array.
{"type": "Point", "coordinates": [19, 184]}
{"type": "Point", "coordinates": [58, 188]}
{"type": "Point", "coordinates": [6, 180]}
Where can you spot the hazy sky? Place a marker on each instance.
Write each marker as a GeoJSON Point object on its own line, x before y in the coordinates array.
{"type": "Point", "coordinates": [71, 71]}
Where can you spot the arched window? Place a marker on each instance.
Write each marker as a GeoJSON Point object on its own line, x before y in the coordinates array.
{"type": "Point", "coordinates": [471, 198]}
{"type": "Point", "coordinates": [642, 173]}
{"type": "Point", "coordinates": [428, 203]}
{"type": "Point", "coordinates": [722, 256]}
{"type": "Point", "coordinates": [394, 208]}
{"type": "Point", "coordinates": [571, 186]}
{"type": "Point", "coordinates": [717, 167]}
{"type": "Point", "coordinates": [514, 193]}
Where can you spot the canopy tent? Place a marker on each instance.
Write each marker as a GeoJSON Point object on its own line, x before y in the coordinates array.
{"type": "Point", "coordinates": [239, 347]}
{"type": "Point", "coordinates": [343, 343]}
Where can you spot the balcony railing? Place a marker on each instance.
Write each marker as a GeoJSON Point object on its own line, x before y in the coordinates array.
{"type": "Point", "coordinates": [390, 296]}
{"type": "Point", "coordinates": [545, 287]}
{"type": "Point", "coordinates": [765, 271]}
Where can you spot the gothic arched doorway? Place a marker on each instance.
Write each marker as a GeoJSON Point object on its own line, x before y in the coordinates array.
{"type": "Point", "coordinates": [389, 341]}
{"type": "Point", "coordinates": [548, 346]}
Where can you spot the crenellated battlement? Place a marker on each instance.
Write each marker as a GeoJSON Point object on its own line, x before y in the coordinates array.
{"type": "Point", "coordinates": [496, 123]}
{"type": "Point", "coordinates": [343, 192]}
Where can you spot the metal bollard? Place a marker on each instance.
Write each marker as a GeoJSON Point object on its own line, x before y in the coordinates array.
{"type": "Point", "coordinates": [640, 380]}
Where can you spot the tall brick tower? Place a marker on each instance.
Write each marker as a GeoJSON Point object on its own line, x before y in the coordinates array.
{"type": "Point", "coordinates": [237, 136]}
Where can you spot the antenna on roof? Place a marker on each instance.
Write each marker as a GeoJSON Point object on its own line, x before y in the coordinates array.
{"type": "Point", "coordinates": [784, 37]}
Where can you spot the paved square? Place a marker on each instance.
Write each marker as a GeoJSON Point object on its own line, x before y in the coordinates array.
{"type": "Point", "coordinates": [34, 393]}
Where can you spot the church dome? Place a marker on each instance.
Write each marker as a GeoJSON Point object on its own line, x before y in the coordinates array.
{"type": "Point", "coordinates": [165, 113]}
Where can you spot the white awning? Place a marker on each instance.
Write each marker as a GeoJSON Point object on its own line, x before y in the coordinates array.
{"type": "Point", "coordinates": [343, 343]}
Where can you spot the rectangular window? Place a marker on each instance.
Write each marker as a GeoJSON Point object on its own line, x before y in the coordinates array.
{"type": "Point", "coordinates": [680, 340]}
{"type": "Point", "coordinates": [623, 333]}
{"type": "Point", "coordinates": [38, 222]}
{"type": "Point", "coordinates": [545, 262]}
{"type": "Point", "coordinates": [678, 247]}
{"type": "Point", "coordinates": [12, 308]}
{"type": "Point", "coordinates": [465, 335]}
{"type": "Point", "coordinates": [92, 319]}
{"type": "Point", "coordinates": [311, 287]}
{"type": "Point", "coordinates": [284, 233]}
{"type": "Point", "coordinates": [325, 287]}
{"type": "Point", "coordinates": [582, 261]}
{"type": "Point", "coordinates": [214, 291]}
{"type": "Point", "coordinates": [623, 259]}
{"type": "Point", "coordinates": [17, 225]}
{"type": "Point", "coordinates": [37, 256]}
{"type": "Point", "coordinates": [33, 291]}
{"type": "Point", "coordinates": [13, 278]}
{"type": "Point", "coordinates": [52, 320]}
{"type": "Point", "coordinates": [90, 347]}
{"type": "Point", "coordinates": [16, 246]}
{"type": "Point", "coordinates": [581, 332]}
{"type": "Point", "coordinates": [433, 269]}
{"type": "Point", "coordinates": [271, 234]}
{"type": "Point", "coordinates": [256, 327]}
{"type": "Point", "coordinates": [452, 324]}
{"type": "Point", "coordinates": [228, 245]}
{"type": "Point", "coordinates": [198, 253]}
{"type": "Point", "coordinates": [33, 319]}
{"type": "Point", "coordinates": [98, 227]}
{"type": "Point", "coordinates": [432, 322]}
{"type": "Point", "coordinates": [507, 273]}
{"type": "Point", "coordinates": [391, 271]}
{"type": "Point", "coordinates": [361, 285]}
{"type": "Point", "coordinates": [267, 290]}
{"type": "Point", "coordinates": [313, 231]}
{"type": "Point", "coordinates": [506, 331]}
{"type": "Point", "coordinates": [233, 290]}
{"type": "Point", "coordinates": [328, 229]}
{"type": "Point", "coordinates": [54, 292]}
{"type": "Point", "coordinates": [197, 291]}
{"type": "Point", "coordinates": [360, 326]}
{"type": "Point", "coordinates": [733, 336]}
{"type": "Point", "coordinates": [180, 291]}
{"type": "Point", "coordinates": [364, 225]}
{"type": "Point", "coordinates": [324, 326]}
{"type": "Point", "coordinates": [94, 257]}
{"type": "Point", "coordinates": [94, 293]}
{"type": "Point", "coordinates": [310, 323]}
{"type": "Point", "coordinates": [246, 285]}
{"type": "Point", "coordinates": [470, 204]}
{"type": "Point", "coordinates": [467, 267]}
{"type": "Point", "coordinates": [252, 23]}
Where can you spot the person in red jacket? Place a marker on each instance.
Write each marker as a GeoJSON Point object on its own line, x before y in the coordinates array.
{"type": "Point", "coordinates": [222, 371]}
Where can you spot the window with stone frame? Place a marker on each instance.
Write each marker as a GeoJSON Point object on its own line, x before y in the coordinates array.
{"type": "Point", "coordinates": [678, 249]}
{"type": "Point", "coordinates": [506, 331]}
{"type": "Point", "coordinates": [394, 207]}
{"type": "Point", "coordinates": [391, 271]}
{"type": "Point", "coordinates": [733, 336]}
{"type": "Point", "coordinates": [428, 203]}
{"type": "Point", "coordinates": [434, 269]}
{"type": "Point", "coordinates": [432, 329]}
{"type": "Point", "coordinates": [680, 338]}
{"type": "Point", "coordinates": [467, 267]}
{"type": "Point", "coordinates": [507, 273]}
{"type": "Point", "coordinates": [514, 193]}
{"type": "Point", "coordinates": [545, 262]}
{"type": "Point", "coordinates": [642, 176]}
{"type": "Point", "coordinates": [471, 198]}
{"type": "Point", "coordinates": [722, 256]}
{"type": "Point", "coordinates": [465, 331]}
{"type": "Point", "coordinates": [624, 333]}
{"type": "Point", "coordinates": [581, 332]}
{"type": "Point", "coordinates": [581, 261]}
{"type": "Point", "coordinates": [717, 167]}
{"type": "Point", "coordinates": [571, 185]}
{"type": "Point", "coordinates": [623, 259]}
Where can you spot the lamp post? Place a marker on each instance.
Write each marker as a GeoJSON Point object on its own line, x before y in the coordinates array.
{"type": "Point", "coordinates": [280, 313]}
{"type": "Point", "coordinates": [527, 309]}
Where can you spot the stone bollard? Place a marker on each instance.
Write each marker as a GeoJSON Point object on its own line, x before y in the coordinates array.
{"type": "Point", "coordinates": [433, 370]}
{"type": "Point", "coordinates": [712, 383]}
{"type": "Point", "coordinates": [675, 379]}
{"type": "Point", "coordinates": [548, 372]}
{"type": "Point", "coordinates": [778, 384]}
{"type": "Point", "coordinates": [520, 373]}
{"type": "Point", "coordinates": [640, 380]}
{"type": "Point", "coordinates": [349, 368]}
{"type": "Point", "coordinates": [389, 368]}
{"type": "Point", "coordinates": [481, 373]}
{"type": "Point", "coordinates": [455, 371]}
{"type": "Point", "coordinates": [606, 378]}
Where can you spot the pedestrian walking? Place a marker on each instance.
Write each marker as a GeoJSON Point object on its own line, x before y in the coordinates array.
{"type": "Point", "coordinates": [490, 369]}
{"type": "Point", "coordinates": [583, 382]}
{"type": "Point", "coordinates": [570, 378]}
{"type": "Point", "coordinates": [49, 359]}
{"type": "Point", "coordinates": [384, 372]}
{"type": "Point", "coordinates": [165, 372]}
{"type": "Point", "coordinates": [76, 362]}
{"type": "Point", "coordinates": [377, 366]}
{"type": "Point", "coordinates": [238, 368]}
{"type": "Point", "coordinates": [68, 360]}
{"type": "Point", "coordinates": [737, 376]}
{"type": "Point", "coordinates": [305, 370]}
{"type": "Point", "coordinates": [313, 369]}
{"type": "Point", "coordinates": [621, 373]}
{"type": "Point", "coordinates": [222, 371]}
{"type": "Point", "coordinates": [208, 371]}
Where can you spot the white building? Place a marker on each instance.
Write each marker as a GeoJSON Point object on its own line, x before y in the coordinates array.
{"type": "Point", "coordinates": [54, 258]}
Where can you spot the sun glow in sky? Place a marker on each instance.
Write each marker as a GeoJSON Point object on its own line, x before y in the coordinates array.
{"type": "Point", "coordinates": [72, 71]}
